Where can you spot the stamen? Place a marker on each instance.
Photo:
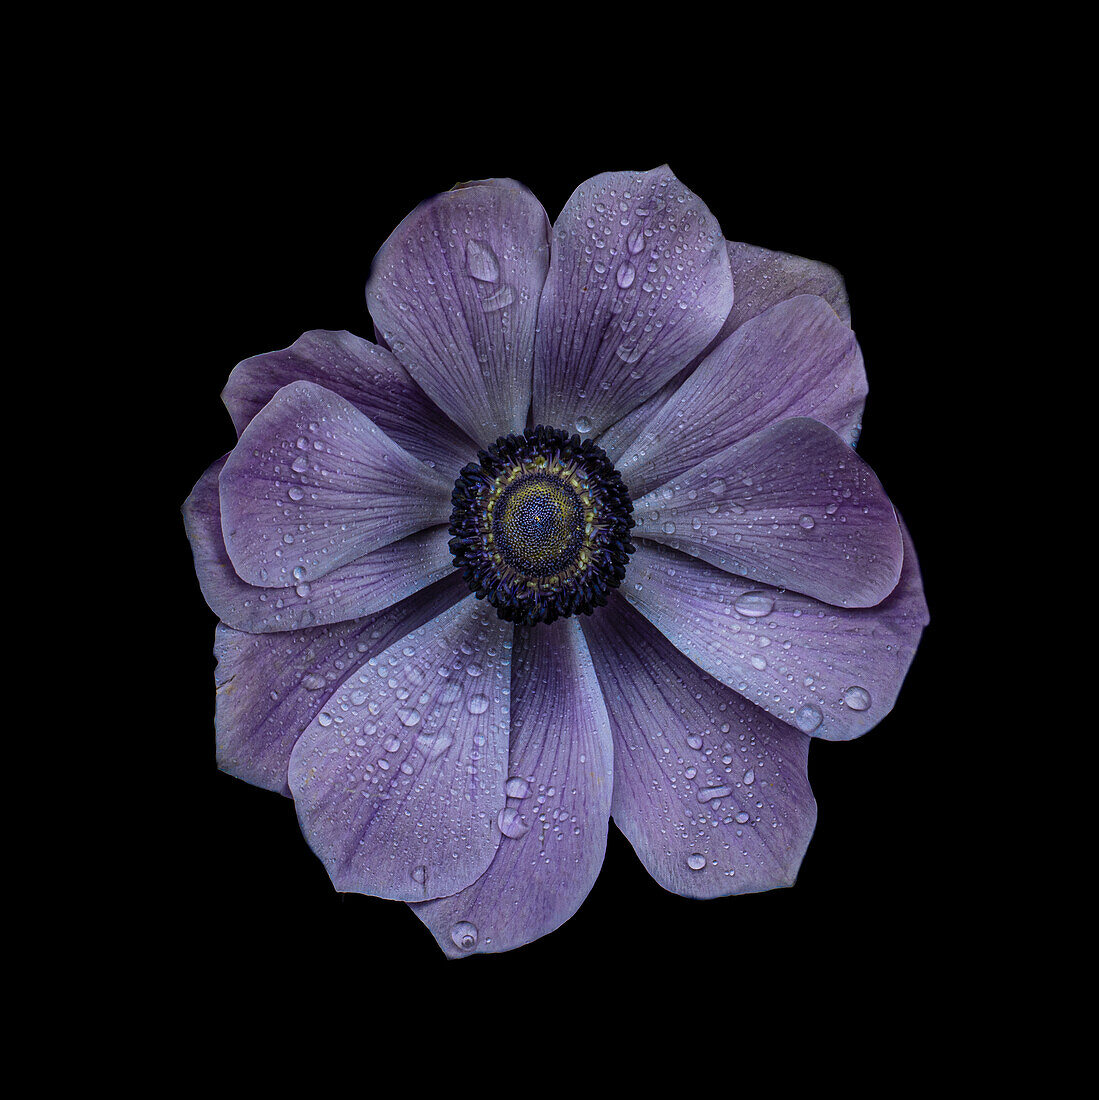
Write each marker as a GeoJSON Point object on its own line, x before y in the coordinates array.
{"type": "Point", "coordinates": [541, 526]}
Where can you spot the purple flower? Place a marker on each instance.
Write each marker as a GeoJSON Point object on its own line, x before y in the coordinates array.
{"type": "Point", "coordinates": [583, 536]}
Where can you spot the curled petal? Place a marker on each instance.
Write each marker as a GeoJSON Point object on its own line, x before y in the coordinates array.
{"type": "Point", "coordinates": [554, 827]}
{"type": "Point", "coordinates": [313, 484]}
{"type": "Point", "coordinates": [639, 283]}
{"type": "Point", "coordinates": [797, 359]}
{"type": "Point", "coordinates": [271, 686]}
{"type": "Point", "coordinates": [454, 292]}
{"type": "Point", "coordinates": [832, 672]}
{"type": "Point", "coordinates": [399, 780]}
{"type": "Point", "coordinates": [373, 582]}
{"type": "Point", "coordinates": [360, 372]}
{"type": "Point", "coordinates": [793, 506]}
{"type": "Point", "coordinates": [712, 792]}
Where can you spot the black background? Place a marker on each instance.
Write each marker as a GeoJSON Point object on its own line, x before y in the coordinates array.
{"type": "Point", "coordinates": [273, 234]}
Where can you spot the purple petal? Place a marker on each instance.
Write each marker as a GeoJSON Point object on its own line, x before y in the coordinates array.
{"type": "Point", "coordinates": [833, 672]}
{"type": "Point", "coordinates": [313, 484]}
{"type": "Point", "coordinates": [639, 283]}
{"type": "Point", "coordinates": [399, 780]}
{"type": "Point", "coordinates": [793, 506]}
{"type": "Point", "coordinates": [271, 686]}
{"type": "Point", "coordinates": [797, 359]}
{"type": "Point", "coordinates": [761, 279]}
{"type": "Point", "coordinates": [712, 792]}
{"type": "Point", "coordinates": [454, 292]}
{"type": "Point", "coordinates": [380, 579]}
{"type": "Point", "coordinates": [360, 372]}
{"type": "Point", "coordinates": [554, 827]}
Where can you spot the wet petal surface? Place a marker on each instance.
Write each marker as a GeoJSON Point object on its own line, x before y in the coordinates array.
{"type": "Point", "coordinates": [313, 484]}
{"type": "Point", "coordinates": [368, 376]}
{"type": "Point", "coordinates": [711, 791]}
{"type": "Point", "coordinates": [831, 672]}
{"type": "Point", "coordinates": [797, 359]}
{"type": "Point", "coordinates": [554, 827]}
{"type": "Point", "coordinates": [639, 283]}
{"type": "Point", "coordinates": [271, 686]}
{"type": "Point", "coordinates": [761, 279]}
{"type": "Point", "coordinates": [362, 587]}
{"type": "Point", "coordinates": [454, 292]}
{"type": "Point", "coordinates": [793, 506]}
{"type": "Point", "coordinates": [399, 780]}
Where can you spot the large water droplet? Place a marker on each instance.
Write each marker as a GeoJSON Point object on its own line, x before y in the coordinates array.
{"type": "Point", "coordinates": [583, 424]}
{"type": "Point", "coordinates": [464, 935]}
{"type": "Point", "coordinates": [482, 262]}
{"type": "Point", "coordinates": [477, 704]}
{"type": "Point", "coordinates": [409, 717]}
{"type": "Point", "coordinates": [696, 861]}
{"type": "Point", "coordinates": [857, 698]}
{"type": "Point", "coordinates": [517, 787]}
{"type": "Point", "coordinates": [808, 718]}
{"type": "Point", "coordinates": [625, 276]}
{"type": "Point", "coordinates": [511, 824]}
{"type": "Point", "coordinates": [754, 605]}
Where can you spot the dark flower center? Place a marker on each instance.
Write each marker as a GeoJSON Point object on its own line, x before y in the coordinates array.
{"type": "Point", "coordinates": [541, 526]}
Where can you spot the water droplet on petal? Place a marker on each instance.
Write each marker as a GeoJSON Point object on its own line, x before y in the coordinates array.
{"type": "Point", "coordinates": [464, 935]}
{"type": "Point", "coordinates": [477, 704]}
{"type": "Point", "coordinates": [483, 265]}
{"type": "Point", "coordinates": [857, 698]}
{"type": "Point", "coordinates": [696, 861]}
{"type": "Point", "coordinates": [754, 605]}
{"type": "Point", "coordinates": [511, 824]}
{"type": "Point", "coordinates": [808, 718]}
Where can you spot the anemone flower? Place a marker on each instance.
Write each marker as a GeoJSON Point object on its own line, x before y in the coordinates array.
{"type": "Point", "coordinates": [582, 536]}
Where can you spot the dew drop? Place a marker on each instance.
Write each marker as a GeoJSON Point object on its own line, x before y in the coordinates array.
{"type": "Point", "coordinates": [483, 265]}
{"type": "Point", "coordinates": [477, 704]}
{"type": "Point", "coordinates": [583, 424]}
{"type": "Point", "coordinates": [857, 698]}
{"type": "Point", "coordinates": [625, 276]}
{"type": "Point", "coordinates": [464, 935]}
{"type": "Point", "coordinates": [807, 522]}
{"type": "Point", "coordinates": [409, 717]}
{"type": "Point", "coordinates": [517, 787]}
{"type": "Point", "coordinates": [696, 861]}
{"type": "Point", "coordinates": [808, 718]}
{"type": "Point", "coordinates": [511, 824]}
{"type": "Point", "coordinates": [754, 605]}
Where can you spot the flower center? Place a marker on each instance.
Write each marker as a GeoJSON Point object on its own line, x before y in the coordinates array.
{"type": "Point", "coordinates": [541, 526]}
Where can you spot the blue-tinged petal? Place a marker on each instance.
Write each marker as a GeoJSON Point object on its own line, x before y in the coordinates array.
{"type": "Point", "coordinates": [761, 279]}
{"type": "Point", "coordinates": [399, 780]}
{"type": "Point", "coordinates": [797, 359]}
{"type": "Point", "coordinates": [373, 582]}
{"type": "Point", "coordinates": [639, 283]}
{"type": "Point", "coordinates": [554, 826]}
{"type": "Point", "coordinates": [832, 672]}
{"type": "Point", "coordinates": [712, 792]}
{"type": "Point", "coordinates": [454, 292]}
{"type": "Point", "coordinates": [271, 686]}
{"type": "Point", "coordinates": [313, 484]}
{"type": "Point", "coordinates": [360, 372]}
{"type": "Point", "coordinates": [793, 506]}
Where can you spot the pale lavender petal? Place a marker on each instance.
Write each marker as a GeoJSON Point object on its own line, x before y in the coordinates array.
{"type": "Point", "coordinates": [360, 372]}
{"type": "Point", "coordinates": [399, 780]}
{"type": "Point", "coordinates": [797, 359]}
{"type": "Point", "coordinates": [793, 506]}
{"type": "Point", "coordinates": [761, 279]}
{"type": "Point", "coordinates": [271, 686]}
{"type": "Point", "coordinates": [381, 578]}
{"type": "Point", "coordinates": [313, 484]}
{"type": "Point", "coordinates": [638, 285]}
{"type": "Point", "coordinates": [554, 827]}
{"type": "Point", "coordinates": [454, 292]}
{"type": "Point", "coordinates": [712, 792]}
{"type": "Point", "coordinates": [832, 672]}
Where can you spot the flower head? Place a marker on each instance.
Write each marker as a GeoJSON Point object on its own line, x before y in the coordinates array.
{"type": "Point", "coordinates": [584, 535]}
